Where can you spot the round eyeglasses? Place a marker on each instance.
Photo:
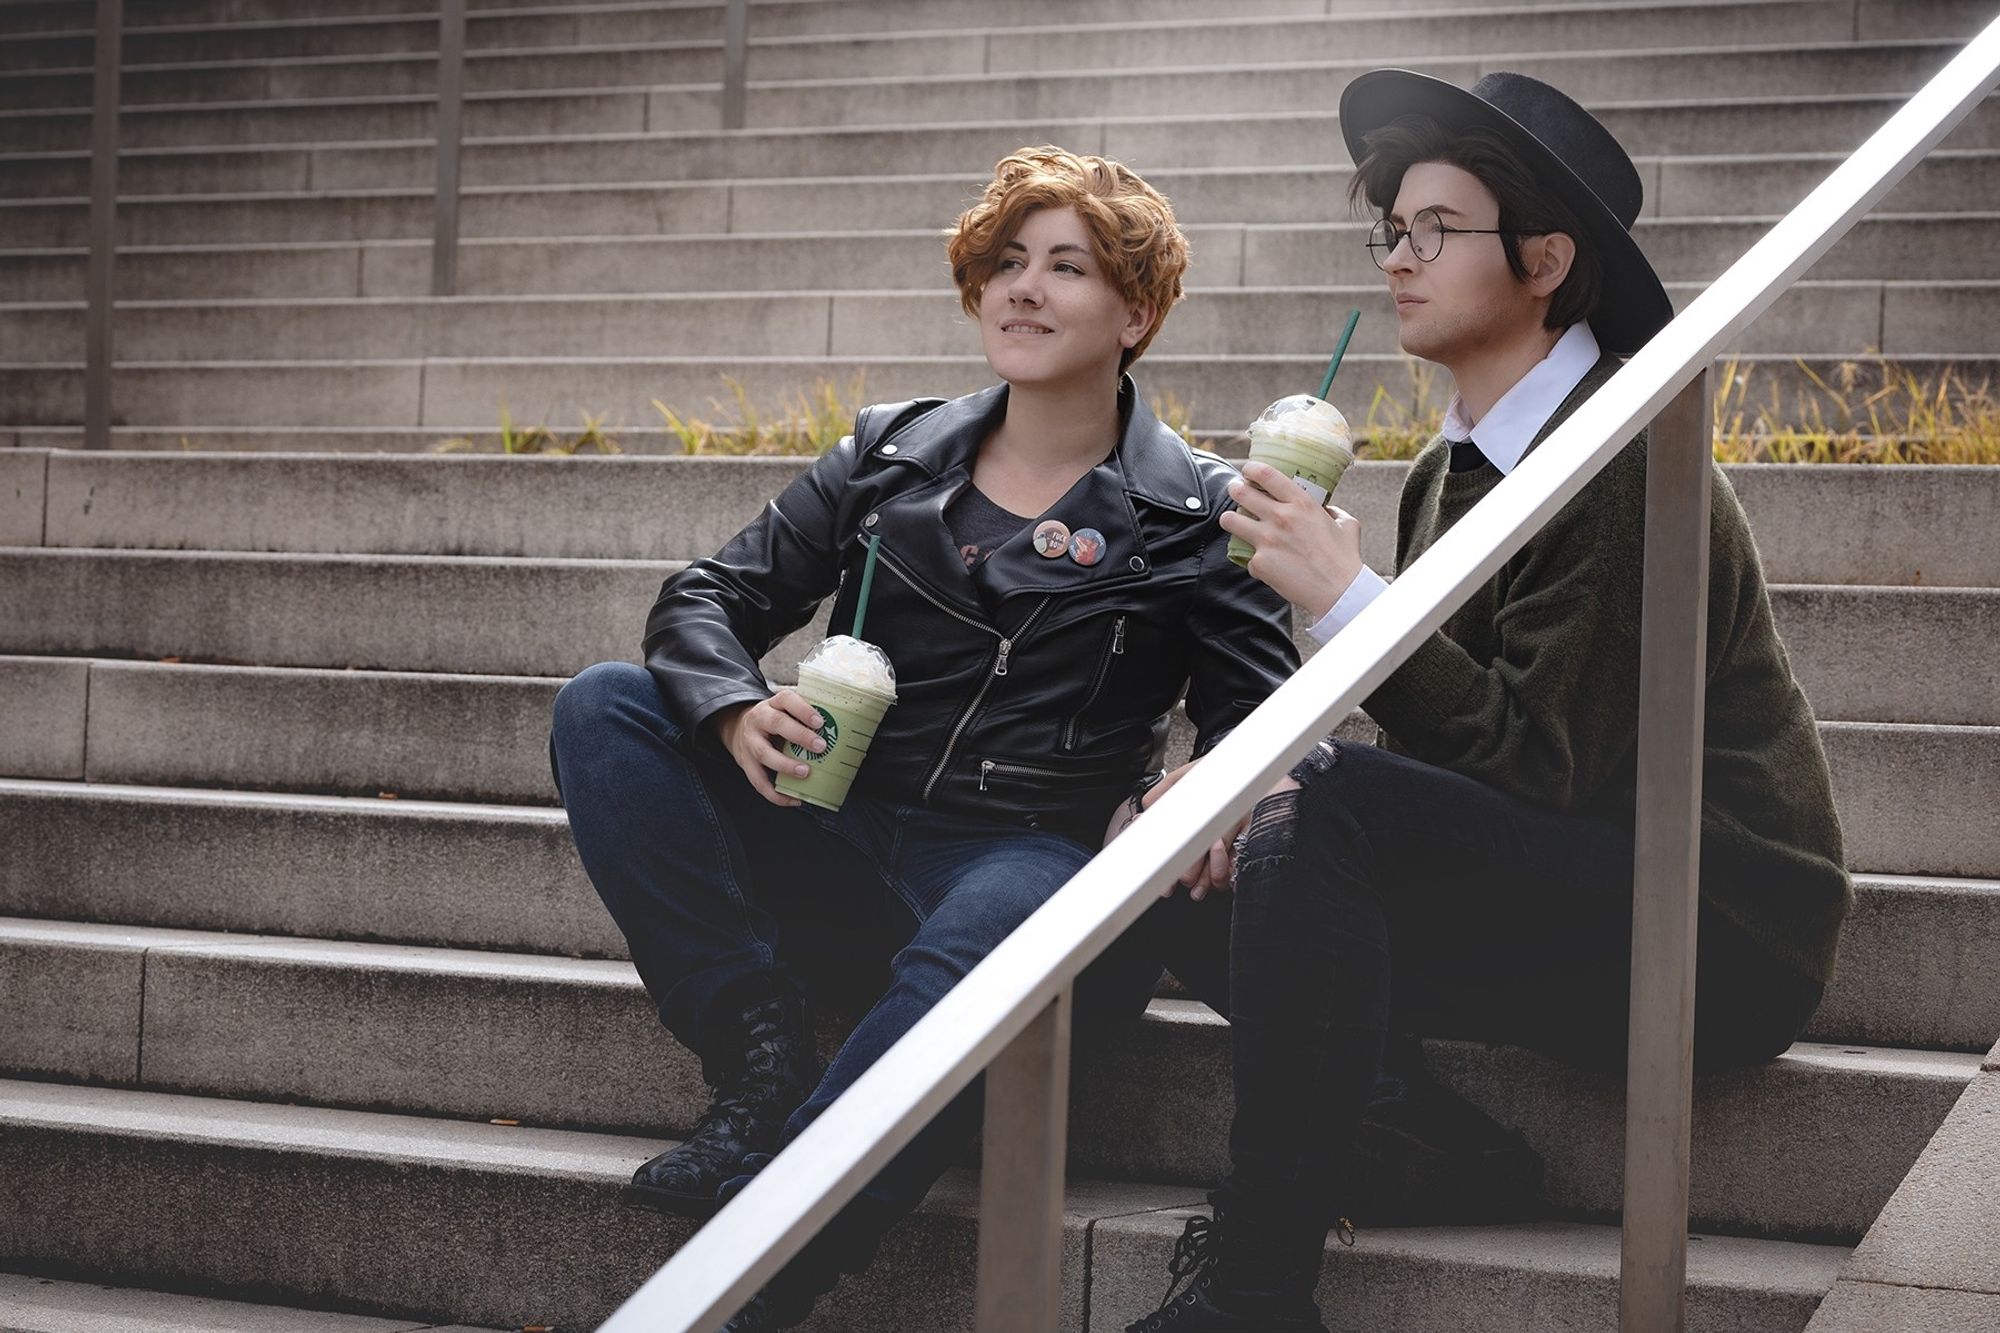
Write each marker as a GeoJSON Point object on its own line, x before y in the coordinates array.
{"type": "Point", "coordinates": [1426, 232]}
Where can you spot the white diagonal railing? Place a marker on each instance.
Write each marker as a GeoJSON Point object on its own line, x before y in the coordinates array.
{"type": "Point", "coordinates": [1011, 1010]}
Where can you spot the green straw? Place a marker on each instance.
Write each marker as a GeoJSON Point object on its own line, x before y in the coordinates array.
{"type": "Point", "coordinates": [867, 580]}
{"type": "Point", "coordinates": [1326, 385]}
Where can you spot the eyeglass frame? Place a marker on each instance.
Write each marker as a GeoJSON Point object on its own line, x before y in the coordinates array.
{"type": "Point", "coordinates": [1397, 235]}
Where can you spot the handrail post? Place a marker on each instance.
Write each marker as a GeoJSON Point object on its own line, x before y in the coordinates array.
{"type": "Point", "coordinates": [450, 134]}
{"type": "Point", "coordinates": [1673, 656]}
{"type": "Point", "coordinates": [97, 350]}
{"type": "Point", "coordinates": [1021, 1177]}
{"type": "Point", "coordinates": [735, 60]}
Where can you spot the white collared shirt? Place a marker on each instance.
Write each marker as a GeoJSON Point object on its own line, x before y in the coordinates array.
{"type": "Point", "coordinates": [1503, 435]}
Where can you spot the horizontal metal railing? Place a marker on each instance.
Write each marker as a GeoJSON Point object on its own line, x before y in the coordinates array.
{"type": "Point", "coordinates": [1009, 1012]}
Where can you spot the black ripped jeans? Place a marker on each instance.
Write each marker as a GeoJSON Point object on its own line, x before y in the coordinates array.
{"type": "Point", "coordinates": [1390, 893]}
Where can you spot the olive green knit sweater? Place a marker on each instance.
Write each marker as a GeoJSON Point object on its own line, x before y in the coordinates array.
{"type": "Point", "coordinates": [1532, 687]}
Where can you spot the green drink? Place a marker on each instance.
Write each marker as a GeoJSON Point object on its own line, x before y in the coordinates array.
{"type": "Point", "coordinates": [851, 685]}
{"type": "Point", "coordinates": [1305, 438]}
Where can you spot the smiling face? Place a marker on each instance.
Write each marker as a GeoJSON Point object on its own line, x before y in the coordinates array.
{"type": "Point", "coordinates": [1048, 317]}
{"type": "Point", "coordinates": [1467, 302]}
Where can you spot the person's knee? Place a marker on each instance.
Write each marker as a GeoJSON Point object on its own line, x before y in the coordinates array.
{"type": "Point", "coordinates": [592, 696]}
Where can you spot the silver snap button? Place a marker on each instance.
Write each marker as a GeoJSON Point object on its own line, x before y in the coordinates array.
{"type": "Point", "coordinates": [888, 448]}
{"type": "Point", "coordinates": [1193, 502]}
{"type": "Point", "coordinates": [1137, 564]}
{"type": "Point", "coordinates": [871, 520]}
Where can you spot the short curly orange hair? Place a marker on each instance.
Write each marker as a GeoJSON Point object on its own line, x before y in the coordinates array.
{"type": "Point", "coordinates": [1132, 229]}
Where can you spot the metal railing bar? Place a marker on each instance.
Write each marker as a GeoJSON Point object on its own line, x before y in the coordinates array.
{"type": "Point", "coordinates": [747, 1242]}
{"type": "Point", "coordinates": [735, 61]}
{"type": "Point", "coordinates": [450, 139]}
{"type": "Point", "coordinates": [98, 289]}
{"type": "Point", "coordinates": [1666, 863]}
{"type": "Point", "coordinates": [1021, 1174]}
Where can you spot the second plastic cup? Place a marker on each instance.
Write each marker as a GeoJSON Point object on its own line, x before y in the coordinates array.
{"type": "Point", "coordinates": [849, 714]}
{"type": "Point", "coordinates": [1306, 439]}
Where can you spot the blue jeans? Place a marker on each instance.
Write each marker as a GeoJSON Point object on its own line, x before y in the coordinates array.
{"type": "Point", "coordinates": [724, 898]}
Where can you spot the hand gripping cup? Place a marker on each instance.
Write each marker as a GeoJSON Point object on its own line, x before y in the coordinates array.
{"type": "Point", "coordinates": [1305, 438]}
{"type": "Point", "coordinates": [851, 684]}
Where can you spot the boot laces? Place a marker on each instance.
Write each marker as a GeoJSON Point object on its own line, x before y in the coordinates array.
{"type": "Point", "coordinates": [1195, 1253]}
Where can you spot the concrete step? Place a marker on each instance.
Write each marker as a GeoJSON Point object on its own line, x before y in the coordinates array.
{"type": "Point", "coordinates": [791, 75]}
{"type": "Point", "coordinates": [625, 101]}
{"type": "Point", "coordinates": [46, 1305]}
{"type": "Point", "coordinates": [1934, 247]}
{"type": "Point", "coordinates": [1812, 318]}
{"type": "Point", "coordinates": [96, 1157]}
{"type": "Point", "coordinates": [1213, 393]}
{"type": "Point", "coordinates": [530, 1038]}
{"type": "Point", "coordinates": [1100, 35]}
{"type": "Point", "coordinates": [465, 737]}
{"type": "Point", "coordinates": [1948, 181]}
{"type": "Point", "coordinates": [1863, 654]}
{"type": "Point", "coordinates": [1835, 122]}
{"type": "Point", "coordinates": [1915, 953]}
{"type": "Point", "coordinates": [23, 16]}
{"type": "Point", "coordinates": [626, 508]}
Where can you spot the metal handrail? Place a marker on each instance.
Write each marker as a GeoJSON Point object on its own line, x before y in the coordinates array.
{"type": "Point", "coordinates": [1022, 987]}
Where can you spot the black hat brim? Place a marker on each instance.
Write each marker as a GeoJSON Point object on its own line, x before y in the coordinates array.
{"type": "Point", "coordinates": [1634, 304]}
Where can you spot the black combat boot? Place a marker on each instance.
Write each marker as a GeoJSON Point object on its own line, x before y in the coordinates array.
{"type": "Point", "coordinates": [766, 1072]}
{"type": "Point", "coordinates": [1226, 1278]}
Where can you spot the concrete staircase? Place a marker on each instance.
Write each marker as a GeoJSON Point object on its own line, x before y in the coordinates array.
{"type": "Point", "coordinates": [311, 1008]}
{"type": "Point", "coordinates": [277, 179]}
{"type": "Point", "coordinates": [263, 1017]}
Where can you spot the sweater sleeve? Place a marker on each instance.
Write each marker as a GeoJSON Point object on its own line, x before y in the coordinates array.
{"type": "Point", "coordinates": [1553, 716]}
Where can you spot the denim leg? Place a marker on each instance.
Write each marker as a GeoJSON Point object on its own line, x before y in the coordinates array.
{"type": "Point", "coordinates": [972, 884]}
{"type": "Point", "coordinates": [662, 831]}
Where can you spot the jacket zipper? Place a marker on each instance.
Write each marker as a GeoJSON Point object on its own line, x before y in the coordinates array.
{"type": "Point", "coordinates": [979, 697]}
{"type": "Point", "coordinates": [999, 667]}
{"type": "Point", "coordinates": [988, 767]}
{"type": "Point", "coordinates": [1116, 649]}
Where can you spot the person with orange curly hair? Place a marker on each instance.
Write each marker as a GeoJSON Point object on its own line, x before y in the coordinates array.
{"type": "Point", "coordinates": [1050, 581]}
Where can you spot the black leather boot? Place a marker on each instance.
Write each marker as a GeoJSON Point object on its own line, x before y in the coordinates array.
{"type": "Point", "coordinates": [1224, 1279]}
{"type": "Point", "coordinates": [767, 1075]}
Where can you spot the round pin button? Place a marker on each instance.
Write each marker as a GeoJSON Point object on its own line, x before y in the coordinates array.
{"type": "Point", "coordinates": [1051, 539]}
{"type": "Point", "coordinates": [1086, 546]}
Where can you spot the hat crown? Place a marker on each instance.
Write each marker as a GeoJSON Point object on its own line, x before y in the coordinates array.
{"type": "Point", "coordinates": [1573, 135]}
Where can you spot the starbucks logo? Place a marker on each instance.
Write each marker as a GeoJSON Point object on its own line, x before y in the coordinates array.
{"type": "Point", "coordinates": [829, 731]}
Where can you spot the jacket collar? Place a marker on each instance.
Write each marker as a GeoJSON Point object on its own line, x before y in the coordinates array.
{"type": "Point", "coordinates": [1151, 465]}
{"type": "Point", "coordinates": [1151, 461]}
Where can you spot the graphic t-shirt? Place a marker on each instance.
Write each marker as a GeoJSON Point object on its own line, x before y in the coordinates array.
{"type": "Point", "coordinates": [979, 527]}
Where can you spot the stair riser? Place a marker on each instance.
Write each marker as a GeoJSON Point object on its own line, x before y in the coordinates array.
{"type": "Point", "coordinates": [1822, 320]}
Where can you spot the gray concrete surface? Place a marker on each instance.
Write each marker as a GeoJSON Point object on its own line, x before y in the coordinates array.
{"type": "Point", "coordinates": [1935, 823]}
{"type": "Point", "coordinates": [1551, 1277]}
{"type": "Point", "coordinates": [1947, 181]}
{"type": "Point", "coordinates": [1862, 654]}
{"type": "Point", "coordinates": [1918, 958]}
{"type": "Point", "coordinates": [1835, 525]}
{"type": "Point", "coordinates": [1822, 319]}
{"type": "Point", "coordinates": [1808, 1147]}
{"type": "Point", "coordinates": [1874, 1307]}
{"type": "Point", "coordinates": [23, 489]}
{"type": "Point", "coordinates": [414, 872]}
{"type": "Point", "coordinates": [421, 1217]}
{"type": "Point", "coordinates": [42, 713]}
{"type": "Point", "coordinates": [45, 1305]}
{"type": "Point", "coordinates": [1938, 1229]}
{"type": "Point", "coordinates": [72, 995]}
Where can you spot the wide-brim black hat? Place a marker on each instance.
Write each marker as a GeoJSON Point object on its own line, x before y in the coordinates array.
{"type": "Point", "coordinates": [1568, 151]}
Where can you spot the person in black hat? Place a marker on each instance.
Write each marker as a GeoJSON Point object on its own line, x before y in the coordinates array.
{"type": "Point", "coordinates": [1486, 848]}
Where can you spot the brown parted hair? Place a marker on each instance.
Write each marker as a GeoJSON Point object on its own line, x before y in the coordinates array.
{"type": "Point", "coordinates": [1525, 206]}
{"type": "Point", "coordinates": [1133, 235]}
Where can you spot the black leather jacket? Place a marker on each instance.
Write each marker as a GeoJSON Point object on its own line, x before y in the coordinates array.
{"type": "Point", "coordinates": [1045, 712]}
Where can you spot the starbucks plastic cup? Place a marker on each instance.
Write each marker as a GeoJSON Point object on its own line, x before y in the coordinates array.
{"type": "Point", "coordinates": [1305, 438]}
{"type": "Point", "coordinates": [851, 685]}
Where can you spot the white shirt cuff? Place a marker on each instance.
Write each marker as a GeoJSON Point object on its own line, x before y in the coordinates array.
{"type": "Point", "coordinates": [1365, 588]}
